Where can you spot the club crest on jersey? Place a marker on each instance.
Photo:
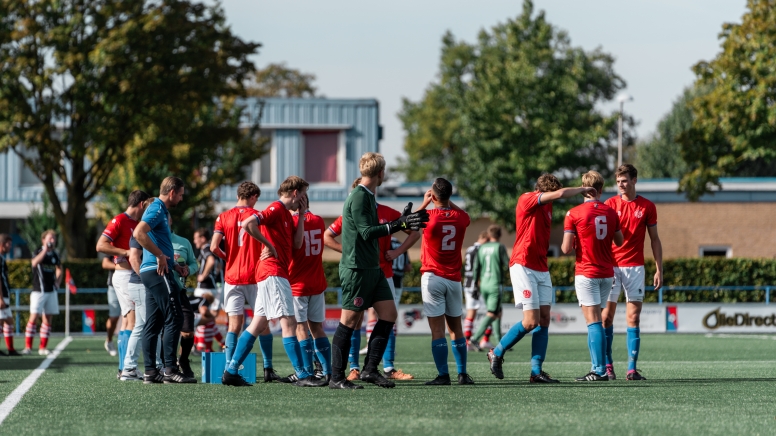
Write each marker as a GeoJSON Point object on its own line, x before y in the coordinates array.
{"type": "Point", "coordinates": [639, 213]}
{"type": "Point", "coordinates": [358, 301]}
{"type": "Point", "coordinates": [527, 294]}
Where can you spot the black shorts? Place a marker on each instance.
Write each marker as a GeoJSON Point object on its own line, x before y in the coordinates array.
{"type": "Point", "coordinates": [188, 314]}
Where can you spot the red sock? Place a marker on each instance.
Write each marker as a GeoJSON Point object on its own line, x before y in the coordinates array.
{"type": "Point", "coordinates": [369, 327]}
{"type": "Point", "coordinates": [199, 337]}
{"type": "Point", "coordinates": [486, 336]}
{"type": "Point", "coordinates": [8, 334]}
{"type": "Point", "coordinates": [45, 331]}
{"type": "Point", "coordinates": [468, 325]}
{"type": "Point", "coordinates": [211, 332]}
{"type": "Point", "coordinates": [29, 334]}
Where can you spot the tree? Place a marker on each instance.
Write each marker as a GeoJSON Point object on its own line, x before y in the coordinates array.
{"type": "Point", "coordinates": [277, 80]}
{"type": "Point", "coordinates": [734, 128]}
{"type": "Point", "coordinates": [213, 154]}
{"type": "Point", "coordinates": [522, 102]}
{"type": "Point", "coordinates": [38, 221]}
{"type": "Point", "coordinates": [81, 81]}
{"type": "Point", "coordinates": [660, 156]}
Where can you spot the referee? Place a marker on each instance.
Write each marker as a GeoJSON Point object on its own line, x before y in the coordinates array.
{"type": "Point", "coordinates": [163, 304]}
{"type": "Point", "coordinates": [363, 282]}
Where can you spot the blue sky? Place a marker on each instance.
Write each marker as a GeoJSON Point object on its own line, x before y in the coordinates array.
{"type": "Point", "coordinates": [390, 50]}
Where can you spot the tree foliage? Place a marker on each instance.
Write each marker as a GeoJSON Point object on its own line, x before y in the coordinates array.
{"type": "Point", "coordinates": [734, 129]}
{"type": "Point", "coordinates": [278, 80]}
{"type": "Point", "coordinates": [81, 81]}
{"type": "Point", "coordinates": [519, 102]}
{"type": "Point", "coordinates": [660, 157]}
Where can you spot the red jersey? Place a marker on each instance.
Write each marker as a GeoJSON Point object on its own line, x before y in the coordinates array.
{"type": "Point", "coordinates": [119, 231]}
{"type": "Point", "coordinates": [306, 269]}
{"type": "Point", "coordinates": [336, 226]}
{"type": "Point", "coordinates": [635, 216]}
{"type": "Point", "coordinates": [277, 226]}
{"type": "Point", "coordinates": [242, 251]}
{"type": "Point", "coordinates": [442, 243]}
{"type": "Point", "coordinates": [533, 221]}
{"type": "Point", "coordinates": [595, 224]}
{"type": "Point", "coordinates": [385, 215]}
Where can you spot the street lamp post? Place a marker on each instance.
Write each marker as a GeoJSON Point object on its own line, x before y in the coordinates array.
{"type": "Point", "coordinates": [622, 99]}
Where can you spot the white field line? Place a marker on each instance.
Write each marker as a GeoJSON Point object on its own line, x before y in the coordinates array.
{"type": "Point", "coordinates": [14, 397]}
{"type": "Point", "coordinates": [728, 335]}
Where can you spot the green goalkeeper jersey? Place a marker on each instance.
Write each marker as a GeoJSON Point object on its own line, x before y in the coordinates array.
{"type": "Point", "coordinates": [360, 230]}
{"type": "Point", "coordinates": [492, 261]}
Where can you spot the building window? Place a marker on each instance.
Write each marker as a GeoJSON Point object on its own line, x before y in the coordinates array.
{"type": "Point", "coordinates": [262, 169]}
{"type": "Point", "coordinates": [716, 251]}
{"type": "Point", "coordinates": [321, 156]}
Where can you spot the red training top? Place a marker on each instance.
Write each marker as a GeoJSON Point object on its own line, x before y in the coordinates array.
{"type": "Point", "coordinates": [306, 269]}
{"type": "Point", "coordinates": [385, 215]}
{"type": "Point", "coordinates": [242, 251]}
{"type": "Point", "coordinates": [277, 226]}
{"type": "Point", "coordinates": [442, 242]}
{"type": "Point", "coordinates": [533, 221]}
{"type": "Point", "coordinates": [119, 231]}
{"type": "Point", "coordinates": [595, 224]}
{"type": "Point", "coordinates": [635, 216]}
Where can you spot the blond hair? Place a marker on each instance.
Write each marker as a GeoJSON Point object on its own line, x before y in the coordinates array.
{"type": "Point", "coordinates": [46, 233]}
{"type": "Point", "coordinates": [593, 179]}
{"type": "Point", "coordinates": [371, 164]}
{"type": "Point", "coordinates": [170, 184]}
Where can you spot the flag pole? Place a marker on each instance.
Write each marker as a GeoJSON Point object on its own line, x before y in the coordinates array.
{"type": "Point", "coordinates": [67, 313]}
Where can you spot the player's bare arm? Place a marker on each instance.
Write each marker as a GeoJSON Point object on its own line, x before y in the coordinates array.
{"type": "Point", "coordinates": [569, 242]}
{"type": "Point", "coordinates": [330, 240]}
{"type": "Point", "coordinates": [299, 235]}
{"type": "Point", "coordinates": [38, 258]}
{"type": "Point", "coordinates": [251, 226]}
{"type": "Point", "coordinates": [411, 239]}
{"type": "Point", "coordinates": [618, 238]}
{"type": "Point", "coordinates": [215, 245]}
{"type": "Point", "coordinates": [135, 259]}
{"type": "Point", "coordinates": [142, 238]}
{"type": "Point", "coordinates": [548, 197]}
{"type": "Point", "coordinates": [657, 253]}
{"type": "Point", "coordinates": [108, 264]}
{"type": "Point", "coordinates": [209, 264]}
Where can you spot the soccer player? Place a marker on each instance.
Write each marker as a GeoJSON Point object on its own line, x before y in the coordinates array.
{"type": "Point", "coordinates": [472, 290]}
{"type": "Point", "coordinates": [492, 263]}
{"type": "Point", "coordinates": [207, 283]}
{"type": "Point", "coordinates": [274, 297]}
{"type": "Point", "coordinates": [163, 304]}
{"type": "Point", "coordinates": [242, 257]}
{"type": "Point", "coordinates": [47, 274]}
{"type": "Point", "coordinates": [114, 242]}
{"type": "Point", "coordinates": [186, 264]}
{"type": "Point", "coordinates": [590, 229]}
{"type": "Point", "coordinates": [530, 275]}
{"type": "Point", "coordinates": [637, 216]}
{"type": "Point", "coordinates": [385, 215]}
{"type": "Point", "coordinates": [363, 281]}
{"type": "Point", "coordinates": [307, 285]}
{"type": "Point", "coordinates": [6, 318]}
{"type": "Point", "coordinates": [137, 296]}
{"type": "Point", "coordinates": [114, 309]}
{"type": "Point", "coordinates": [440, 260]}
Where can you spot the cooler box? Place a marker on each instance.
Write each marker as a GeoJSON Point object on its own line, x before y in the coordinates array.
{"type": "Point", "coordinates": [213, 365]}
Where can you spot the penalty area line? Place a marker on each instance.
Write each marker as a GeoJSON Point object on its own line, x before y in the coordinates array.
{"type": "Point", "coordinates": [14, 397]}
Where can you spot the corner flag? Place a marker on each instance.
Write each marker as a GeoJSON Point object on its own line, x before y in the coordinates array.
{"type": "Point", "coordinates": [69, 282]}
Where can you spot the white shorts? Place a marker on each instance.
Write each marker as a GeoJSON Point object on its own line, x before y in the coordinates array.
{"type": "Point", "coordinates": [396, 292]}
{"type": "Point", "coordinates": [237, 296]}
{"type": "Point", "coordinates": [6, 313]}
{"type": "Point", "coordinates": [440, 296]}
{"type": "Point", "coordinates": [592, 292]}
{"type": "Point", "coordinates": [310, 308]}
{"type": "Point", "coordinates": [114, 308]}
{"type": "Point", "coordinates": [275, 298]}
{"type": "Point", "coordinates": [532, 289]}
{"type": "Point", "coordinates": [120, 284]}
{"type": "Point", "coordinates": [44, 302]}
{"type": "Point", "coordinates": [471, 302]}
{"type": "Point", "coordinates": [630, 278]}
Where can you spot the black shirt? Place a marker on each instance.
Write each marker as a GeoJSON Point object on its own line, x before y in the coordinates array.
{"type": "Point", "coordinates": [4, 278]}
{"type": "Point", "coordinates": [196, 303]}
{"type": "Point", "coordinates": [210, 280]}
{"type": "Point", "coordinates": [44, 276]}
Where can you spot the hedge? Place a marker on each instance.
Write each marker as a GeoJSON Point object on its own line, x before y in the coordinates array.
{"type": "Point", "coordinates": [88, 273]}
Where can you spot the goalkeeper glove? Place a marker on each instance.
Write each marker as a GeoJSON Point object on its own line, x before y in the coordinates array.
{"type": "Point", "coordinates": [410, 221]}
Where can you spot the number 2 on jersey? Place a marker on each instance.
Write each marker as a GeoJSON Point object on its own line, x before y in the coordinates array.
{"type": "Point", "coordinates": [312, 242]}
{"type": "Point", "coordinates": [600, 227]}
{"type": "Point", "coordinates": [448, 244]}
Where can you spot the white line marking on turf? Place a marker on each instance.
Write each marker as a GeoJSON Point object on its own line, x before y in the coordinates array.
{"type": "Point", "coordinates": [728, 335]}
{"type": "Point", "coordinates": [14, 397]}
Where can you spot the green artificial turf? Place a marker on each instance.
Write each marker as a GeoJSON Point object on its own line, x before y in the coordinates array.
{"type": "Point", "coordinates": [697, 385]}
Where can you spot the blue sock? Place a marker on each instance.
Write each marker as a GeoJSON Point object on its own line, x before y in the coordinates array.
{"type": "Point", "coordinates": [294, 352]}
{"type": "Point", "coordinates": [459, 352]}
{"type": "Point", "coordinates": [539, 341]}
{"type": "Point", "coordinates": [122, 346]}
{"type": "Point", "coordinates": [509, 340]}
{"type": "Point", "coordinates": [609, 332]}
{"type": "Point", "coordinates": [596, 342]}
{"type": "Point", "coordinates": [241, 351]}
{"type": "Point", "coordinates": [355, 347]}
{"type": "Point", "coordinates": [323, 352]}
{"type": "Point", "coordinates": [633, 347]}
{"type": "Point", "coordinates": [307, 354]}
{"type": "Point", "coordinates": [439, 351]}
{"type": "Point", "coordinates": [390, 351]}
{"type": "Point", "coordinates": [231, 344]}
{"type": "Point", "coordinates": [265, 343]}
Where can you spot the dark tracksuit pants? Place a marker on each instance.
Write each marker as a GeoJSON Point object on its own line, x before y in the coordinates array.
{"type": "Point", "coordinates": [163, 315]}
